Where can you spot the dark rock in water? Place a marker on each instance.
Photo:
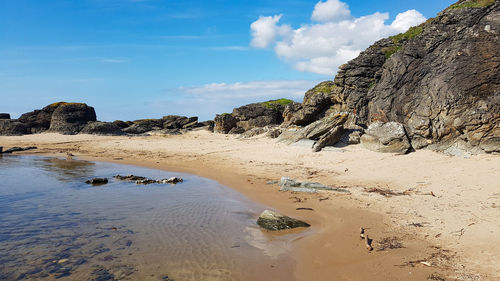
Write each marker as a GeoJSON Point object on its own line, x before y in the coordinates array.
{"type": "Point", "coordinates": [144, 180]}
{"type": "Point", "coordinates": [386, 137]}
{"type": "Point", "coordinates": [129, 178]}
{"type": "Point", "coordinates": [273, 221]}
{"type": "Point", "coordinates": [9, 127]}
{"type": "Point", "coordinates": [71, 118]}
{"type": "Point", "coordinates": [97, 181]}
{"type": "Point", "coordinates": [4, 116]}
{"type": "Point", "coordinates": [16, 149]}
{"type": "Point", "coordinates": [38, 121]}
{"type": "Point", "coordinates": [172, 180]}
{"type": "Point", "coordinates": [102, 128]}
{"type": "Point", "coordinates": [224, 123]}
{"type": "Point", "coordinates": [121, 124]}
{"type": "Point", "coordinates": [440, 80]}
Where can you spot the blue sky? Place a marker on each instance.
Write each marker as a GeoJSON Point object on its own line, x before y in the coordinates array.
{"type": "Point", "coordinates": [135, 59]}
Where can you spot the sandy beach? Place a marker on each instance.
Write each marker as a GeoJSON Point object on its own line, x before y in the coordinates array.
{"type": "Point", "coordinates": [442, 209]}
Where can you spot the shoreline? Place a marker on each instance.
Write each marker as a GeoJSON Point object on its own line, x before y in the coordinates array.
{"type": "Point", "coordinates": [334, 249]}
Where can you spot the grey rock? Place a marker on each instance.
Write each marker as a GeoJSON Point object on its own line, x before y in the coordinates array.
{"type": "Point", "coordinates": [4, 116]}
{"type": "Point", "coordinates": [387, 137]}
{"type": "Point", "coordinates": [38, 121]}
{"type": "Point", "coordinates": [315, 104]}
{"type": "Point", "coordinates": [316, 129]}
{"type": "Point", "coordinates": [121, 124]}
{"type": "Point", "coordinates": [102, 128]}
{"type": "Point", "coordinates": [224, 123]}
{"type": "Point", "coordinates": [12, 127]}
{"type": "Point", "coordinates": [289, 184]}
{"type": "Point", "coordinates": [71, 118]}
{"type": "Point", "coordinates": [330, 138]}
{"type": "Point", "coordinates": [273, 221]}
{"type": "Point", "coordinates": [172, 180]}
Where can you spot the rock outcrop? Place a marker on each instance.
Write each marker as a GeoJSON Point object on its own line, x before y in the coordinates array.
{"type": "Point", "coordinates": [102, 128]}
{"type": "Point", "coordinates": [440, 80]}
{"type": "Point", "coordinates": [10, 127]}
{"type": "Point", "coordinates": [254, 115]}
{"type": "Point", "coordinates": [71, 118]}
{"type": "Point", "coordinates": [4, 116]}
{"type": "Point", "coordinates": [273, 221]}
{"type": "Point", "coordinates": [38, 121]}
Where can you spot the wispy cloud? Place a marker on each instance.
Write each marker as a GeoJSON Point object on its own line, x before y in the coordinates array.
{"type": "Point", "coordinates": [109, 60]}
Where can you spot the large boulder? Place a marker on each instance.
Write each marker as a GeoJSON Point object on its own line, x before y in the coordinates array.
{"type": "Point", "coordinates": [102, 128]}
{"type": "Point", "coordinates": [273, 221]}
{"type": "Point", "coordinates": [12, 127]}
{"type": "Point", "coordinates": [387, 137]}
{"type": "Point", "coordinates": [71, 118]}
{"type": "Point", "coordinates": [4, 116]}
{"type": "Point", "coordinates": [179, 122]}
{"type": "Point", "coordinates": [224, 123]}
{"type": "Point", "coordinates": [38, 120]}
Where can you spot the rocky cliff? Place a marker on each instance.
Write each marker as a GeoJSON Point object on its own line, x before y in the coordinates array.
{"type": "Point", "coordinates": [440, 80]}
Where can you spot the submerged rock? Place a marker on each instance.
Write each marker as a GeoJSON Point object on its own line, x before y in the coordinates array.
{"type": "Point", "coordinates": [97, 181]}
{"type": "Point", "coordinates": [144, 180]}
{"type": "Point", "coordinates": [273, 221]}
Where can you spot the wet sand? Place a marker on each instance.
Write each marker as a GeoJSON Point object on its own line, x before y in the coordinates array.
{"type": "Point", "coordinates": [454, 230]}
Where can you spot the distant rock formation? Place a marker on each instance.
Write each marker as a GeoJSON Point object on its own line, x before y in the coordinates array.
{"type": "Point", "coordinates": [439, 80]}
{"type": "Point", "coordinates": [251, 116]}
{"type": "Point", "coordinates": [74, 118]}
{"type": "Point", "coordinates": [71, 118]}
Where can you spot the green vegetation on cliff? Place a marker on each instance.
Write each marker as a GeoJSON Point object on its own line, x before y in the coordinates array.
{"type": "Point", "coordinates": [275, 103]}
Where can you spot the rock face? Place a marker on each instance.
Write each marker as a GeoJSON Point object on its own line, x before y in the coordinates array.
{"type": "Point", "coordinates": [71, 118]}
{"type": "Point", "coordinates": [12, 127]}
{"type": "Point", "coordinates": [102, 128]}
{"type": "Point", "coordinates": [273, 221]}
{"type": "Point", "coordinates": [254, 115]}
{"type": "Point", "coordinates": [440, 80]}
{"type": "Point", "coordinates": [316, 102]}
{"type": "Point", "coordinates": [386, 137]}
{"type": "Point", "coordinates": [4, 116]}
{"type": "Point", "coordinates": [38, 120]}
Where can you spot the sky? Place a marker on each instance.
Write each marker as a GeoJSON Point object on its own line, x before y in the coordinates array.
{"type": "Point", "coordinates": [133, 59]}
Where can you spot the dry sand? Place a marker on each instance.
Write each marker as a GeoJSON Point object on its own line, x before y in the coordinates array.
{"type": "Point", "coordinates": [447, 215]}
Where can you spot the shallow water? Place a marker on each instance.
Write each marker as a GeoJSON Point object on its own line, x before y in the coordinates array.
{"type": "Point", "coordinates": [54, 226]}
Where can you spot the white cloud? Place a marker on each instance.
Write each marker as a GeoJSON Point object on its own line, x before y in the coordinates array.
{"type": "Point", "coordinates": [407, 19]}
{"type": "Point", "coordinates": [265, 30]}
{"type": "Point", "coordinates": [335, 39]}
{"type": "Point", "coordinates": [251, 90]}
{"type": "Point", "coordinates": [331, 10]}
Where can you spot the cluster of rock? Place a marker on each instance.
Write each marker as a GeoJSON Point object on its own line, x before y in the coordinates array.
{"type": "Point", "coordinates": [75, 118]}
{"type": "Point", "coordinates": [251, 116]}
{"type": "Point", "coordinates": [144, 180]}
{"type": "Point", "coordinates": [436, 86]}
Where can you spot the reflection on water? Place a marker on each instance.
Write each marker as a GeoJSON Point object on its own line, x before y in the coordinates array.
{"type": "Point", "coordinates": [53, 226]}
